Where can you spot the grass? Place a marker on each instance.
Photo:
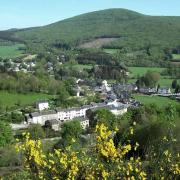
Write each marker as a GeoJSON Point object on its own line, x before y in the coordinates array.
{"type": "Point", "coordinates": [110, 51]}
{"type": "Point", "coordinates": [79, 67]}
{"type": "Point", "coordinates": [162, 82]}
{"type": "Point", "coordinates": [166, 82]}
{"type": "Point", "coordinates": [135, 71]}
{"type": "Point", "coordinates": [176, 56]}
{"type": "Point", "coordinates": [159, 101]}
{"type": "Point", "coordinates": [11, 51]}
{"type": "Point", "coordinates": [11, 99]}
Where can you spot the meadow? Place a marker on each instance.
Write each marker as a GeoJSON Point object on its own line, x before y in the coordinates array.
{"type": "Point", "coordinates": [176, 57]}
{"type": "Point", "coordinates": [11, 51]}
{"type": "Point", "coordinates": [159, 101]}
{"type": "Point", "coordinates": [10, 100]}
{"type": "Point", "coordinates": [111, 51]}
{"type": "Point", "coordinates": [139, 71]}
{"type": "Point", "coordinates": [81, 66]}
{"type": "Point", "coordinates": [135, 71]}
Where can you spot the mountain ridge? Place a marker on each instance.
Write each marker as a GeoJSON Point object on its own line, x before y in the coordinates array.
{"type": "Point", "coordinates": [135, 29]}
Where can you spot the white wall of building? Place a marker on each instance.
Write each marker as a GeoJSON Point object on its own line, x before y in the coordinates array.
{"type": "Point", "coordinates": [42, 106]}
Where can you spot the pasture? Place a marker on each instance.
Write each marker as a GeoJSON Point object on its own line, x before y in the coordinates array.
{"type": "Point", "coordinates": [11, 51]}
{"type": "Point", "coordinates": [111, 51]}
{"type": "Point", "coordinates": [135, 71]}
{"type": "Point", "coordinates": [10, 100]}
{"type": "Point", "coordinates": [162, 82]}
{"type": "Point", "coordinates": [81, 66]}
{"type": "Point", "coordinates": [176, 57]}
{"type": "Point", "coordinates": [159, 101]}
{"type": "Point", "coordinates": [140, 71]}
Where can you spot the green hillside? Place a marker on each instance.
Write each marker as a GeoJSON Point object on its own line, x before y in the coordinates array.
{"type": "Point", "coordinates": [133, 29]}
{"type": "Point", "coordinates": [133, 38]}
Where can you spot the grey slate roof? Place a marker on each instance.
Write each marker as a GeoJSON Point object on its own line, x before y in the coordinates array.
{"type": "Point", "coordinates": [36, 114]}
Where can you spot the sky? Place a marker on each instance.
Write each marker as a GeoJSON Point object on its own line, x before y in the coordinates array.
{"type": "Point", "coordinates": [30, 13]}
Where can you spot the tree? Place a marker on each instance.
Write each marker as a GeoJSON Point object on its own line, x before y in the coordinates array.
{"type": "Point", "coordinates": [36, 131]}
{"type": "Point", "coordinates": [102, 116]}
{"type": "Point", "coordinates": [6, 135]}
{"type": "Point", "coordinates": [16, 117]}
{"type": "Point", "coordinates": [151, 78]}
{"type": "Point", "coordinates": [71, 130]}
{"type": "Point", "coordinates": [177, 90]}
{"type": "Point", "coordinates": [62, 97]}
{"type": "Point", "coordinates": [70, 134]}
{"type": "Point", "coordinates": [174, 84]}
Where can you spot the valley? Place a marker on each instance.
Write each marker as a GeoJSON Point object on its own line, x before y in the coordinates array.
{"type": "Point", "coordinates": [85, 96]}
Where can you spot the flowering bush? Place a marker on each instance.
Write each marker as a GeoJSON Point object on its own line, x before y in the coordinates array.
{"type": "Point", "coordinates": [102, 160]}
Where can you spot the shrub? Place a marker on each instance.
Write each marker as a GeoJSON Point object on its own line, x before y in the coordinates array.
{"type": "Point", "coordinates": [103, 160]}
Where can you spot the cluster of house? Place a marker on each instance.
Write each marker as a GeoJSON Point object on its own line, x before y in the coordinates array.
{"type": "Point", "coordinates": [117, 98]}
{"type": "Point", "coordinates": [54, 118]}
{"type": "Point", "coordinates": [28, 64]}
{"type": "Point", "coordinates": [122, 92]}
{"type": "Point", "coordinates": [161, 90]}
{"type": "Point", "coordinates": [18, 66]}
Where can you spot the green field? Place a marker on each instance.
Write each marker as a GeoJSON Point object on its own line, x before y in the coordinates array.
{"type": "Point", "coordinates": [81, 66]}
{"type": "Point", "coordinates": [159, 101]}
{"type": "Point", "coordinates": [176, 57]}
{"type": "Point", "coordinates": [135, 71]}
{"type": "Point", "coordinates": [110, 51]}
{"type": "Point", "coordinates": [11, 51]}
{"type": "Point", "coordinates": [139, 71]}
{"type": "Point", "coordinates": [162, 82]}
{"type": "Point", "coordinates": [78, 67]}
{"type": "Point", "coordinates": [166, 82]}
{"type": "Point", "coordinates": [11, 99]}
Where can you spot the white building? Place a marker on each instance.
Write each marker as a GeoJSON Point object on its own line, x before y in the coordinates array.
{"type": "Point", "coordinates": [64, 115]}
{"type": "Point", "coordinates": [105, 86]}
{"type": "Point", "coordinates": [83, 121]}
{"type": "Point", "coordinates": [146, 90]}
{"type": "Point", "coordinates": [42, 105]}
{"type": "Point", "coordinates": [53, 124]}
{"type": "Point", "coordinates": [41, 117]}
{"type": "Point", "coordinates": [164, 90]}
{"type": "Point", "coordinates": [78, 91]}
{"type": "Point", "coordinates": [118, 111]}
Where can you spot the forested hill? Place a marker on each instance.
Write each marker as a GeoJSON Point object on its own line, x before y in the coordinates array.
{"type": "Point", "coordinates": [132, 30]}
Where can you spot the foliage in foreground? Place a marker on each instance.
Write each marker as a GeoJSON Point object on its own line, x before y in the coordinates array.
{"type": "Point", "coordinates": [102, 160]}
{"type": "Point", "coordinates": [6, 135]}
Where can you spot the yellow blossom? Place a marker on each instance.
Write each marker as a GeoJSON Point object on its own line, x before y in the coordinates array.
{"type": "Point", "coordinates": [131, 131]}
{"type": "Point", "coordinates": [105, 174]}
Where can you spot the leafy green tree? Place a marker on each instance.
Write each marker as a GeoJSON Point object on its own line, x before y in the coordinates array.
{"type": "Point", "coordinates": [177, 90]}
{"type": "Point", "coordinates": [70, 134]}
{"type": "Point", "coordinates": [62, 97]}
{"type": "Point", "coordinates": [71, 130]}
{"type": "Point", "coordinates": [102, 116]}
{"type": "Point", "coordinates": [16, 117]}
{"type": "Point", "coordinates": [151, 78]}
{"type": "Point", "coordinates": [6, 135]}
{"type": "Point", "coordinates": [36, 131]}
{"type": "Point", "coordinates": [174, 84]}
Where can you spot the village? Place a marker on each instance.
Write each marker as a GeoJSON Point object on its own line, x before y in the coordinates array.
{"type": "Point", "coordinates": [115, 97]}
{"type": "Point", "coordinates": [89, 90]}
